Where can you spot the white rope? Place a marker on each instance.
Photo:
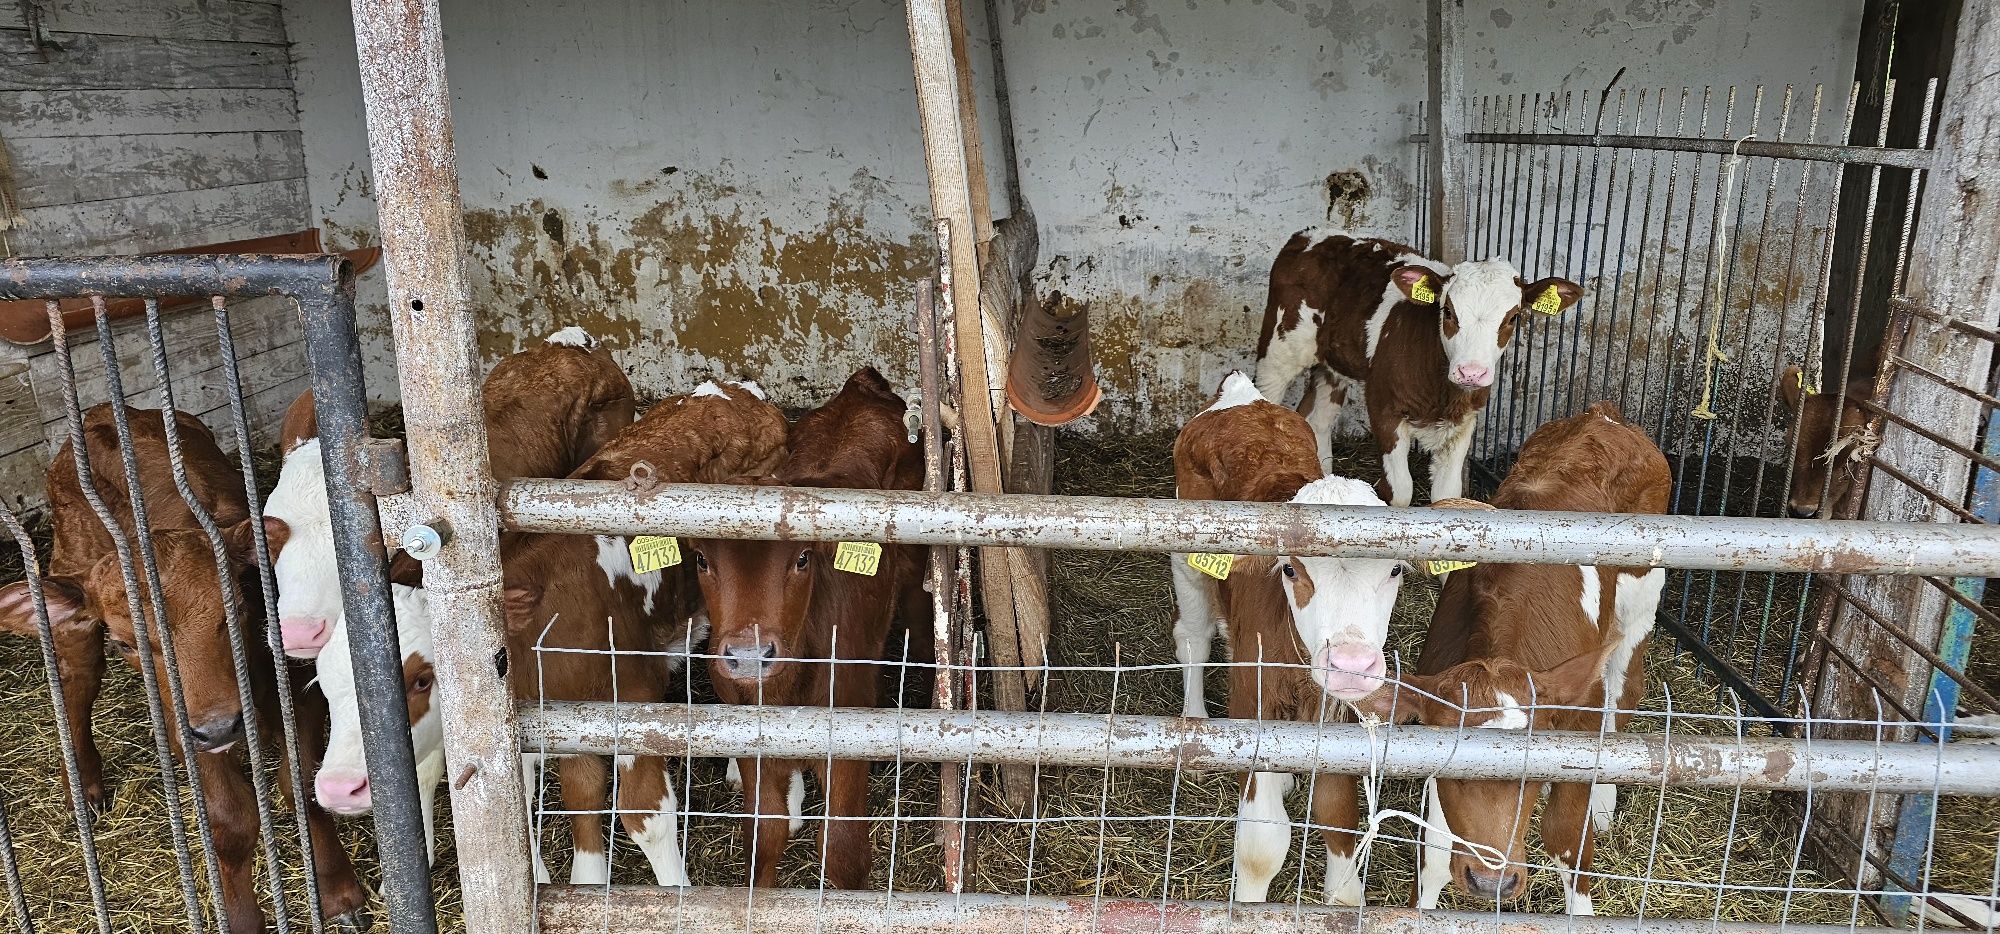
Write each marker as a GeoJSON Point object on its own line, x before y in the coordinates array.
{"type": "Point", "coordinates": [1717, 289]}
{"type": "Point", "coordinates": [1369, 786]}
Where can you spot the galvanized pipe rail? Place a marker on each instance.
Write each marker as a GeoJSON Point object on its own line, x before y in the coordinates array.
{"type": "Point", "coordinates": [1088, 739]}
{"type": "Point", "coordinates": [1111, 524]}
{"type": "Point", "coordinates": [566, 908]}
{"type": "Point", "coordinates": [1886, 157]}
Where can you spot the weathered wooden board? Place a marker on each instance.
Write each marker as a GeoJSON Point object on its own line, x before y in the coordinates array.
{"type": "Point", "coordinates": [24, 479]}
{"type": "Point", "coordinates": [224, 20]}
{"type": "Point", "coordinates": [52, 171]}
{"type": "Point", "coordinates": [266, 410]}
{"type": "Point", "coordinates": [33, 114]}
{"type": "Point", "coordinates": [164, 221]}
{"type": "Point", "coordinates": [258, 326]}
{"type": "Point", "coordinates": [80, 60]}
{"type": "Point", "coordinates": [20, 416]}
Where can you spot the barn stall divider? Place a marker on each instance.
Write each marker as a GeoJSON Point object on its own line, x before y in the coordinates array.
{"type": "Point", "coordinates": [1841, 715]}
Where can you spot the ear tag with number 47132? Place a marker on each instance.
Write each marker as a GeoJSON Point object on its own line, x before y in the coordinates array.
{"type": "Point", "coordinates": [863, 558]}
{"type": "Point", "coordinates": [653, 553]}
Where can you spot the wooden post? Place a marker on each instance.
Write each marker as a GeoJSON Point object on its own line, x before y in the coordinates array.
{"type": "Point", "coordinates": [1447, 131]}
{"type": "Point", "coordinates": [1951, 272]}
{"type": "Point", "coordinates": [951, 185]}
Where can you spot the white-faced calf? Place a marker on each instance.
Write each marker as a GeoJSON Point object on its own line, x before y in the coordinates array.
{"type": "Point", "coordinates": [547, 409]}
{"type": "Point", "coordinates": [1829, 459]}
{"type": "Point", "coordinates": [87, 600]}
{"type": "Point", "coordinates": [1418, 340]}
{"type": "Point", "coordinates": [1579, 631]}
{"type": "Point", "coordinates": [780, 608]}
{"type": "Point", "coordinates": [1305, 633]}
{"type": "Point", "coordinates": [570, 601]}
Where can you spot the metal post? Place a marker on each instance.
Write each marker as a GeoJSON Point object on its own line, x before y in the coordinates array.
{"type": "Point", "coordinates": [1447, 132]}
{"type": "Point", "coordinates": [340, 400]}
{"type": "Point", "coordinates": [408, 104]}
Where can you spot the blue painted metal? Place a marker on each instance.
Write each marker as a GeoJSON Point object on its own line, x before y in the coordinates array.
{"type": "Point", "coordinates": [1909, 854]}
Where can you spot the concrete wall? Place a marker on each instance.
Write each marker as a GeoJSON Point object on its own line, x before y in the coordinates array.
{"type": "Point", "coordinates": [739, 188]}
{"type": "Point", "coordinates": [1169, 148]}
{"type": "Point", "coordinates": [716, 188]}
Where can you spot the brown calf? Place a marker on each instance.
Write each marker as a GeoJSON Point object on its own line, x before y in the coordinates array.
{"type": "Point", "coordinates": [86, 596]}
{"type": "Point", "coordinates": [1420, 340]}
{"type": "Point", "coordinates": [1301, 629]}
{"type": "Point", "coordinates": [1829, 458]}
{"type": "Point", "coordinates": [547, 410]}
{"type": "Point", "coordinates": [778, 607]}
{"type": "Point", "coordinates": [1511, 643]}
{"type": "Point", "coordinates": [579, 597]}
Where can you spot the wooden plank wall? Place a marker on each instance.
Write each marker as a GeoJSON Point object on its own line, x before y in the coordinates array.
{"type": "Point", "coordinates": [140, 125]}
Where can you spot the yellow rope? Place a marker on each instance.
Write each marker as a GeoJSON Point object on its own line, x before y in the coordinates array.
{"type": "Point", "coordinates": [1717, 290]}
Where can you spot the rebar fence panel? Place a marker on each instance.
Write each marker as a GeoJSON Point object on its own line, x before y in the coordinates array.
{"type": "Point", "coordinates": [154, 545]}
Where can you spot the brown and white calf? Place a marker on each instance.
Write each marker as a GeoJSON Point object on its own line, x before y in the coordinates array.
{"type": "Point", "coordinates": [569, 601]}
{"type": "Point", "coordinates": [85, 593]}
{"type": "Point", "coordinates": [1828, 458]}
{"type": "Point", "coordinates": [1305, 633]}
{"type": "Point", "coordinates": [1419, 341]}
{"type": "Point", "coordinates": [781, 609]}
{"type": "Point", "coordinates": [547, 409]}
{"type": "Point", "coordinates": [1561, 646]}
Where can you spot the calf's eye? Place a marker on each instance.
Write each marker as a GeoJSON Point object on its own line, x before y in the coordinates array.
{"type": "Point", "coordinates": [805, 558]}
{"type": "Point", "coordinates": [1290, 571]}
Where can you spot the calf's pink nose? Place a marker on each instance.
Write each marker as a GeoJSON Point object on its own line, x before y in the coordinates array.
{"type": "Point", "coordinates": [343, 792]}
{"type": "Point", "coordinates": [304, 635]}
{"type": "Point", "coordinates": [1349, 671]}
{"type": "Point", "coordinates": [1472, 374]}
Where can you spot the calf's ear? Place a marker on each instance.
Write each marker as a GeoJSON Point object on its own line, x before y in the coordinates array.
{"type": "Point", "coordinates": [1551, 296]}
{"type": "Point", "coordinates": [63, 597]}
{"type": "Point", "coordinates": [241, 539]}
{"type": "Point", "coordinates": [1418, 284]}
{"type": "Point", "coordinates": [1573, 682]}
{"type": "Point", "coordinates": [406, 570]}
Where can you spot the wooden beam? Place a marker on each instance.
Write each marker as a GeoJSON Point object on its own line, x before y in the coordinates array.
{"type": "Point", "coordinates": [951, 183]}
{"type": "Point", "coordinates": [1447, 131]}
{"type": "Point", "coordinates": [1951, 271]}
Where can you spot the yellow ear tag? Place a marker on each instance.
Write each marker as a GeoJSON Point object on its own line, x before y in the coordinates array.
{"type": "Point", "coordinates": [653, 552]}
{"type": "Point", "coordinates": [1216, 566]}
{"type": "Point", "coordinates": [1440, 568]}
{"type": "Point", "coordinates": [1804, 388]}
{"type": "Point", "coordinates": [863, 558]}
{"type": "Point", "coordinates": [1423, 291]}
{"type": "Point", "coordinates": [1550, 302]}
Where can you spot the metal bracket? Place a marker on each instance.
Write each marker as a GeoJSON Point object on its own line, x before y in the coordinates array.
{"type": "Point", "coordinates": [385, 466]}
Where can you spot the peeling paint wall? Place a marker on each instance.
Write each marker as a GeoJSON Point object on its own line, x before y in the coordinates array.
{"type": "Point", "coordinates": [1170, 147]}
{"type": "Point", "coordinates": [716, 188]}
{"type": "Point", "coordinates": [739, 187]}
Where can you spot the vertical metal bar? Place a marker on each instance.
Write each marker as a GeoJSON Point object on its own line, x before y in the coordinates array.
{"type": "Point", "coordinates": [273, 638]}
{"type": "Point", "coordinates": [232, 607]}
{"type": "Point", "coordinates": [164, 713]}
{"type": "Point", "coordinates": [86, 837]}
{"type": "Point", "coordinates": [408, 105]}
{"type": "Point", "coordinates": [340, 402]}
{"type": "Point", "coordinates": [1447, 138]}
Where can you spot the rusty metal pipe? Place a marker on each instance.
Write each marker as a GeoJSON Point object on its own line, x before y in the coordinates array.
{"type": "Point", "coordinates": [566, 908]}
{"type": "Point", "coordinates": [1084, 739]}
{"type": "Point", "coordinates": [1102, 523]}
